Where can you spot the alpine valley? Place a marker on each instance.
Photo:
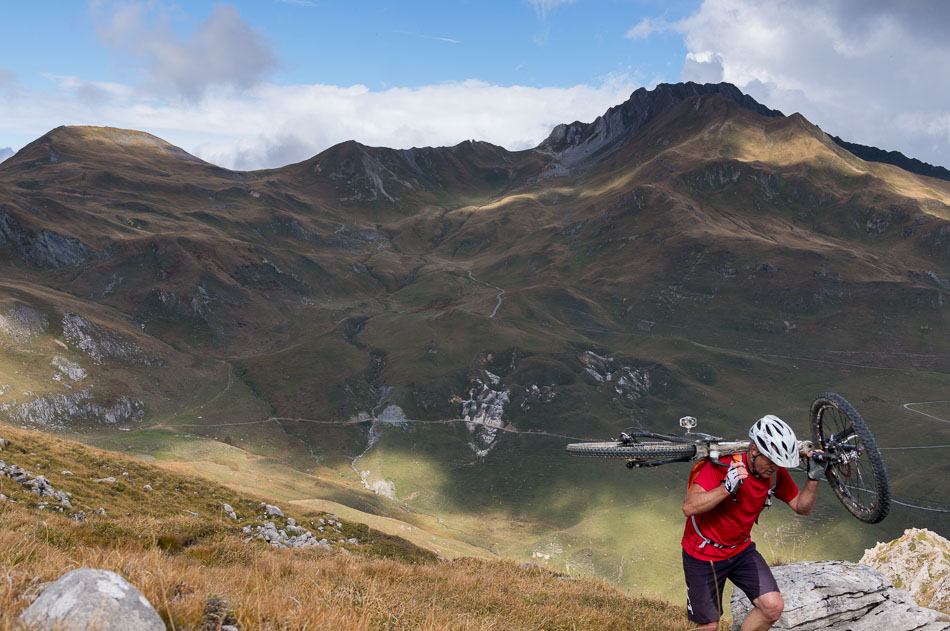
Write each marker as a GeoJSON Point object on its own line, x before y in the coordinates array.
{"type": "Point", "coordinates": [409, 338]}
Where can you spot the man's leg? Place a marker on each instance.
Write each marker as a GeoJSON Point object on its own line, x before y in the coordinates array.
{"type": "Point", "coordinates": [753, 576]}
{"type": "Point", "coordinates": [768, 609]}
{"type": "Point", "coordinates": [704, 592]}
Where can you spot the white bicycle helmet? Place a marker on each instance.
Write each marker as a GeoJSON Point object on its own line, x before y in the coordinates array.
{"type": "Point", "coordinates": [775, 440]}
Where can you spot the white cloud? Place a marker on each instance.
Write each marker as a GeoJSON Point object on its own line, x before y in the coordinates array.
{"type": "Point", "coordinates": [271, 125]}
{"type": "Point", "coordinates": [5, 152]}
{"type": "Point", "coordinates": [872, 72]}
{"type": "Point", "coordinates": [542, 7]}
{"type": "Point", "coordinates": [432, 37]}
{"type": "Point", "coordinates": [703, 67]}
{"type": "Point", "coordinates": [222, 51]}
{"type": "Point", "coordinates": [647, 27]}
{"type": "Point", "coordinates": [288, 124]}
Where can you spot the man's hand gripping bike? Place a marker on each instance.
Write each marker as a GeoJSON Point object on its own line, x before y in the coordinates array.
{"type": "Point", "coordinates": [840, 441]}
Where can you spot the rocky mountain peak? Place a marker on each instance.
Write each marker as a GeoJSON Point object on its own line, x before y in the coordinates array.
{"type": "Point", "coordinates": [575, 143]}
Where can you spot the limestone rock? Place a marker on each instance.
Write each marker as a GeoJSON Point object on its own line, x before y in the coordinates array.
{"type": "Point", "coordinates": [301, 538]}
{"type": "Point", "coordinates": [37, 485]}
{"type": "Point", "coordinates": [58, 411]}
{"type": "Point", "coordinates": [918, 561]}
{"type": "Point", "coordinates": [842, 596]}
{"type": "Point", "coordinates": [68, 369]}
{"type": "Point", "coordinates": [22, 323]}
{"type": "Point", "coordinates": [91, 599]}
{"type": "Point", "coordinates": [100, 343]}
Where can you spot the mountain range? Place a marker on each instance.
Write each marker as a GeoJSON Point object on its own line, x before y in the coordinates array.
{"type": "Point", "coordinates": [434, 323]}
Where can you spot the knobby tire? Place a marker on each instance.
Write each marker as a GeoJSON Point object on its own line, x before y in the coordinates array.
{"type": "Point", "coordinates": [640, 452]}
{"type": "Point", "coordinates": [861, 484]}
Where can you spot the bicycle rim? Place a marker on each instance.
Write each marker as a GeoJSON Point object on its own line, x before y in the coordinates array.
{"type": "Point", "coordinates": [640, 452]}
{"type": "Point", "coordinates": [858, 477]}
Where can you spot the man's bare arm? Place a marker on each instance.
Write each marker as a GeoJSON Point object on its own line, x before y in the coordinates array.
{"type": "Point", "coordinates": [805, 500]}
{"type": "Point", "coordinates": [699, 500]}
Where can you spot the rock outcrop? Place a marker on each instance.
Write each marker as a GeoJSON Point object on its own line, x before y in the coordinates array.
{"type": "Point", "coordinates": [67, 369]}
{"type": "Point", "coordinates": [292, 535]}
{"type": "Point", "coordinates": [99, 342]}
{"type": "Point", "coordinates": [58, 411]}
{"type": "Point", "coordinates": [38, 484]}
{"type": "Point", "coordinates": [45, 249]}
{"type": "Point", "coordinates": [91, 599]}
{"type": "Point", "coordinates": [582, 145]}
{"type": "Point", "coordinates": [919, 562]}
{"type": "Point", "coordinates": [630, 382]}
{"type": "Point", "coordinates": [842, 596]}
{"type": "Point", "coordinates": [483, 412]}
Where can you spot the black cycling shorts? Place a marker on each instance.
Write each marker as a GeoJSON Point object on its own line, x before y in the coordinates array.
{"type": "Point", "coordinates": [705, 579]}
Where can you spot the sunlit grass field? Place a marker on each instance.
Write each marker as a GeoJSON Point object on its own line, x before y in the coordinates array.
{"type": "Point", "coordinates": [175, 545]}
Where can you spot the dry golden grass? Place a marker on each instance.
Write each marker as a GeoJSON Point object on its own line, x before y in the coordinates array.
{"type": "Point", "coordinates": [182, 563]}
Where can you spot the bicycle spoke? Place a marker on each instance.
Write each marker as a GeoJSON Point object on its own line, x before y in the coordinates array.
{"type": "Point", "coordinates": [862, 485]}
{"type": "Point", "coordinates": [844, 435]}
{"type": "Point", "coordinates": [857, 474]}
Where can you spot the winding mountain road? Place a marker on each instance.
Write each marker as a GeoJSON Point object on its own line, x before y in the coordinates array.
{"type": "Point", "coordinates": [908, 406]}
{"type": "Point", "coordinates": [500, 291]}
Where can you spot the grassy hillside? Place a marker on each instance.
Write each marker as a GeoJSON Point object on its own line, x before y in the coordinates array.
{"type": "Point", "coordinates": [176, 546]}
{"type": "Point", "coordinates": [321, 331]}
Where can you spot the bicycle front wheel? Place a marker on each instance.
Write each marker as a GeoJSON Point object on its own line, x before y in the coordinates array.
{"type": "Point", "coordinates": [857, 475]}
{"type": "Point", "coordinates": [639, 452]}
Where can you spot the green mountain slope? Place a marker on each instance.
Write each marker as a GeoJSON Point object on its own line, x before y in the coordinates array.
{"type": "Point", "coordinates": [435, 324]}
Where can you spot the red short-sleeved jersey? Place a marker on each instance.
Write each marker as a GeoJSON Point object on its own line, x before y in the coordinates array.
{"type": "Point", "coordinates": [730, 522]}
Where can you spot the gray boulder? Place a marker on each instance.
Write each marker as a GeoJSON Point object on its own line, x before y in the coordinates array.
{"type": "Point", "coordinates": [919, 562]}
{"type": "Point", "coordinates": [842, 596]}
{"type": "Point", "coordinates": [87, 599]}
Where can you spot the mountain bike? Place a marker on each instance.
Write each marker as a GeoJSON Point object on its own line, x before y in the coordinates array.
{"type": "Point", "coordinates": [840, 440]}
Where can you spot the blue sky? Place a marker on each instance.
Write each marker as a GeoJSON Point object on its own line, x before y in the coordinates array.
{"type": "Point", "coordinates": [262, 84]}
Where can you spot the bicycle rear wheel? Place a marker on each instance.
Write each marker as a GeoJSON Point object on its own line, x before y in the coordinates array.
{"type": "Point", "coordinates": [639, 452]}
{"type": "Point", "coordinates": [857, 476]}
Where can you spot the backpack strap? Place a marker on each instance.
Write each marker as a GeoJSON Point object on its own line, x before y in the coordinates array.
{"type": "Point", "coordinates": [768, 498]}
{"type": "Point", "coordinates": [708, 541]}
{"type": "Point", "coordinates": [692, 478]}
{"type": "Point", "coordinates": [694, 472]}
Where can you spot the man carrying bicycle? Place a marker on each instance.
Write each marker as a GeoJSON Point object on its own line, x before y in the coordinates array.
{"type": "Point", "coordinates": [722, 504]}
